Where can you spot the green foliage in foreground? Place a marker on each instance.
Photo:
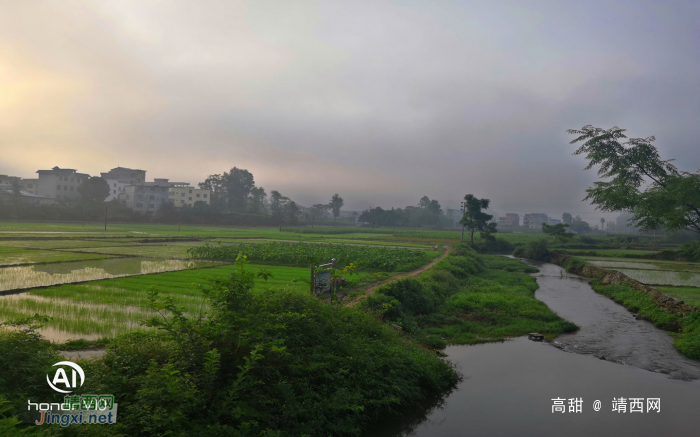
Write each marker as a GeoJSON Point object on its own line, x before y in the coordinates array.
{"type": "Point", "coordinates": [25, 359]}
{"type": "Point", "coordinates": [687, 252]}
{"type": "Point", "coordinates": [468, 298]}
{"type": "Point", "coordinates": [262, 363]}
{"type": "Point", "coordinates": [303, 255]}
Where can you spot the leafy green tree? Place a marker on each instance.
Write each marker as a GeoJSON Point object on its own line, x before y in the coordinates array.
{"type": "Point", "coordinates": [558, 231]}
{"type": "Point", "coordinates": [474, 219]}
{"type": "Point", "coordinates": [95, 189]}
{"type": "Point", "coordinates": [656, 193]}
{"type": "Point", "coordinates": [317, 212]}
{"type": "Point", "coordinates": [256, 200]}
{"type": "Point", "coordinates": [335, 205]}
{"type": "Point", "coordinates": [291, 212]}
{"type": "Point", "coordinates": [566, 218]}
{"type": "Point", "coordinates": [579, 226]}
{"type": "Point", "coordinates": [238, 183]}
{"type": "Point", "coordinates": [277, 203]}
{"type": "Point", "coordinates": [215, 184]}
{"type": "Point", "coordinates": [424, 202]}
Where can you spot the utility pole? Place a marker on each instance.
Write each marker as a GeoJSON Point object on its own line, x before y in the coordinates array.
{"type": "Point", "coordinates": [179, 219]}
{"type": "Point", "coordinates": [463, 206]}
{"type": "Point", "coordinates": [105, 218]}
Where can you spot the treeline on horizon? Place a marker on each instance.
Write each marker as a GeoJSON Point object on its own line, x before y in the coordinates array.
{"type": "Point", "coordinates": [235, 199]}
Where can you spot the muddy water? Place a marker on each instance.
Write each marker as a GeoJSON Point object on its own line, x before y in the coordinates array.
{"type": "Point", "coordinates": [508, 387]}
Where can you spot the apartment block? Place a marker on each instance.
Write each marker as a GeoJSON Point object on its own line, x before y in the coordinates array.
{"type": "Point", "coordinates": [149, 196]}
{"type": "Point", "coordinates": [181, 195]}
{"type": "Point", "coordinates": [29, 185]}
{"type": "Point", "coordinates": [60, 183]}
{"type": "Point", "coordinates": [119, 178]}
{"type": "Point", "coordinates": [534, 221]}
{"type": "Point", "coordinates": [509, 220]}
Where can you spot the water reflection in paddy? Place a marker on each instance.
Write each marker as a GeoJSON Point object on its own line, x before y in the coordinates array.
{"type": "Point", "coordinates": [12, 278]}
{"type": "Point", "coordinates": [663, 277]}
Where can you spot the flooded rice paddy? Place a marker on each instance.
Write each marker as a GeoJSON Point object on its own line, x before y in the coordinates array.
{"type": "Point", "coordinates": [663, 277]}
{"type": "Point", "coordinates": [40, 275]}
{"type": "Point", "coordinates": [625, 265]}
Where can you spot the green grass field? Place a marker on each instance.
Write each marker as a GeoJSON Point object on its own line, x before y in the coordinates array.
{"type": "Point", "coordinates": [690, 295]}
{"type": "Point", "coordinates": [107, 276]}
{"type": "Point", "coordinates": [113, 306]}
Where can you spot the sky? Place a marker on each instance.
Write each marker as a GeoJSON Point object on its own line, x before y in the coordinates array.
{"type": "Point", "coordinates": [382, 102]}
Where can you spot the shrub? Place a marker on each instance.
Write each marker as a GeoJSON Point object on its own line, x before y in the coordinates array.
{"type": "Point", "coordinates": [535, 250]}
{"type": "Point", "coordinates": [265, 363]}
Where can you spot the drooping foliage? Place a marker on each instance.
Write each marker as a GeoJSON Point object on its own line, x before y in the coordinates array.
{"type": "Point", "coordinates": [637, 180]}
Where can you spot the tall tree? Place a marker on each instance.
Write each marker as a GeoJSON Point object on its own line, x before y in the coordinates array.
{"type": "Point", "coordinates": [317, 212]}
{"type": "Point", "coordinates": [474, 219]}
{"type": "Point", "coordinates": [256, 200]}
{"type": "Point", "coordinates": [336, 204]}
{"type": "Point", "coordinates": [291, 212]}
{"type": "Point", "coordinates": [277, 202]}
{"type": "Point", "coordinates": [94, 189]}
{"type": "Point", "coordinates": [424, 202]}
{"type": "Point", "coordinates": [579, 226]}
{"type": "Point", "coordinates": [566, 218]}
{"type": "Point", "coordinates": [602, 224]}
{"type": "Point", "coordinates": [656, 193]}
{"type": "Point", "coordinates": [558, 231]}
{"type": "Point", "coordinates": [238, 183]}
{"type": "Point", "coordinates": [215, 184]}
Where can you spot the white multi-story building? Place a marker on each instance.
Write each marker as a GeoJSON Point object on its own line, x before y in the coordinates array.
{"type": "Point", "coordinates": [149, 196]}
{"type": "Point", "coordinates": [510, 220]}
{"type": "Point", "coordinates": [181, 195]}
{"type": "Point", "coordinates": [119, 178]}
{"type": "Point", "coordinates": [534, 221]}
{"type": "Point", "coordinates": [29, 185]}
{"type": "Point", "coordinates": [60, 183]}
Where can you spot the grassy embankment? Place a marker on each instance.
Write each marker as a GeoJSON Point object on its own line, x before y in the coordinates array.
{"type": "Point", "coordinates": [466, 299]}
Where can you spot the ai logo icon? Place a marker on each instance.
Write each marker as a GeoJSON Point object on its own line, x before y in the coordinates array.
{"type": "Point", "coordinates": [61, 378]}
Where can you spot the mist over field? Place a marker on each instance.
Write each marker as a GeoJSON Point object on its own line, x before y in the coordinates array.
{"type": "Point", "coordinates": [382, 102]}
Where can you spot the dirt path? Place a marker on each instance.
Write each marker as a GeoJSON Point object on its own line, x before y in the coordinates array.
{"type": "Point", "coordinates": [370, 289]}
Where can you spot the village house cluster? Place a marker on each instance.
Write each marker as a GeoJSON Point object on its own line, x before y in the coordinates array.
{"type": "Point", "coordinates": [126, 185]}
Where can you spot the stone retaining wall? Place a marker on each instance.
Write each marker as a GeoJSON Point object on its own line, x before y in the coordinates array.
{"type": "Point", "coordinates": [663, 301]}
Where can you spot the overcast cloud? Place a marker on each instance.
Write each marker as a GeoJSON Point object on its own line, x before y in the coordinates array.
{"type": "Point", "coordinates": [382, 102]}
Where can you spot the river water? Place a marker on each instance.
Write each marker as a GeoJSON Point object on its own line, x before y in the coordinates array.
{"type": "Point", "coordinates": [508, 388]}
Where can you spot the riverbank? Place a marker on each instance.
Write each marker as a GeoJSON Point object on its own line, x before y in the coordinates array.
{"type": "Point", "coordinates": [665, 312]}
{"type": "Point", "coordinates": [467, 299]}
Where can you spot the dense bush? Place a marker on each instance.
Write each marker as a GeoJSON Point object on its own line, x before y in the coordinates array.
{"type": "Point", "coordinates": [535, 250]}
{"type": "Point", "coordinates": [25, 359]}
{"type": "Point", "coordinates": [264, 362]}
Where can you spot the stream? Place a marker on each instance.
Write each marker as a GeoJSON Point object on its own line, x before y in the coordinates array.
{"type": "Point", "coordinates": [508, 388]}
